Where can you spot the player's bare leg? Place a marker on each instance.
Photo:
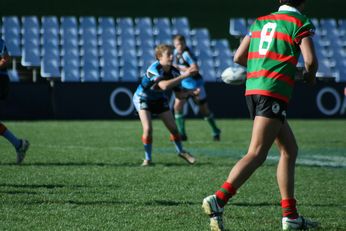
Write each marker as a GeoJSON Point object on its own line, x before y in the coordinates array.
{"type": "Point", "coordinates": [208, 116]}
{"type": "Point", "coordinates": [264, 133]}
{"type": "Point", "coordinates": [168, 120]}
{"type": "Point", "coordinates": [179, 116]}
{"type": "Point", "coordinates": [145, 117]}
{"type": "Point", "coordinates": [288, 148]}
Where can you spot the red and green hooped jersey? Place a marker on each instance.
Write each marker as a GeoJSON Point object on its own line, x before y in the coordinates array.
{"type": "Point", "coordinates": [274, 52]}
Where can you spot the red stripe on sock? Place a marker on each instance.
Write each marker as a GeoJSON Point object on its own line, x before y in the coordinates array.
{"type": "Point", "coordinates": [174, 137]}
{"type": "Point", "coordinates": [289, 208]}
{"type": "Point", "coordinates": [225, 193]}
{"type": "Point", "coordinates": [147, 140]}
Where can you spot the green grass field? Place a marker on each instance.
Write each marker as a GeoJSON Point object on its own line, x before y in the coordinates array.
{"type": "Point", "coordinates": [87, 176]}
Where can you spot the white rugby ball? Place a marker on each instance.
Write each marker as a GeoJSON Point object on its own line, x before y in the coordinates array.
{"type": "Point", "coordinates": [234, 75]}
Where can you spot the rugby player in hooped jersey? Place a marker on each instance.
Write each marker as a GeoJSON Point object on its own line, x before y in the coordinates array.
{"type": "Point", "coordinates": [270, 52]}
{"type": "Point", "coordinates": [150, 98]}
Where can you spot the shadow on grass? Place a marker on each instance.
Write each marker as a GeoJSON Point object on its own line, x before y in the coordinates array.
{"type": "Point", "coordinates": [163, 203]}
{"type": "Point", "coordinates": [47, 186]}
{"type": "Point", "coordinates": [13, 192]}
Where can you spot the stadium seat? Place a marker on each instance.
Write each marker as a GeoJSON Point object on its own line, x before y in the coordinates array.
{"type": "Point", "coordinates": [109, 67]}
{"type": "Point", "coordinates": [88, 32]}
{"type": "Point", "coordinates": [221, 63]}
{"type": "Point", "coordinates": [180, 25]}
{"type": "Point", "coordinates": [238, 27]}
{"type": "Point", "coordinates": [207, 70]}
{"type": "Point", "coordinates": [31, 55]}
{"type": "Point", "coordinates": [90, 73]}
{"type": "Point", "coordinates": [50, 23]}
{"type": "Point", "coordinates": [69, 32]}
{"type": "Point", "coordinates": [12, 35]}
{"type": "Point", "coordinates": [110, 75]}
{"type": "Point", "coordinates": [50, 63]}
{"type": "Point", "coordinates": [342, 27]}
{"type": "Point", "coordinates": [200, 35]}
{"type": "Point", "coordinates": [70, 65]}
{"type": "Point", "coordinates": [70, 74]}
{"type": "Point", "coordinates": [162, 30]}
{"type": "Point", "coordinates": [340, 75]}
{"type": "Point", "coordinates": [105, 23]}
{"type": "Point", "coordinates": [145, 45]}
{"type": "Point", "coordinates": [145, 33]}
{"type": "Point", "coordinates": [329, 28]}
{"type": "Point", "coordinates": [128, 70]}
{"type": "Point", "coordinates": [220, 44]}
{"type": "Point", "coordinates": [146, 59]}
{"type": "Point", "coordinates": [125, 25]}
{"type": "Point", "coordinates": [50, 32]}
{"type": "Point", "coordinates": [323, 70]}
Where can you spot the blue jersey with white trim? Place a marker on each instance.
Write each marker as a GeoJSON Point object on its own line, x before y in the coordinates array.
{"type": "Point", "coordinates": [185, 60]}
{"type": "Point", "coordinates": [3, 52]}
{"type": "Point", "coordinates": [148, 89]}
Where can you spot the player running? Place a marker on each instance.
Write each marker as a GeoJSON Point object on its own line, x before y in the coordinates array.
{"type": "Point", "coordinates": [20, 145]}
{"type": "Point", "coordinates": [270, 51]}
{"type": "Point", "coordinates": [183, 60]}
{"type": "Point", "coordinates": [150, 98]}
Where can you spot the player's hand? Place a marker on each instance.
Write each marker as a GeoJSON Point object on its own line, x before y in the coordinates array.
{"type": "Point", "coordinates": [190, 72]}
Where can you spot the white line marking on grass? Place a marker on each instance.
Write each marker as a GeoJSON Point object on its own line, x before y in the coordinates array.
{"type": "Point", "coordinates": [79, 147]}
{"type": "Point", "coordinates": [321, 161]}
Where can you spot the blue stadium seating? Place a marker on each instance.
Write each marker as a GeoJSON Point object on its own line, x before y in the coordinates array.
{"type": "Point", "coordinates": [12, 34]}
{"type": "Point", "coordinates": [180, 25]}
{"type": "Point", "coordinates": [162, 30]}
{"type": "Point", "coordinates": [108, 49]}
{"type": "Point", "coordinates": [31, 55]}
{"type": "Point", "coordinates": [238, 27]}
{"type": "Point", "coordinates": [70, 65]}
{"type": "Point", "coordinates": [50, 63]}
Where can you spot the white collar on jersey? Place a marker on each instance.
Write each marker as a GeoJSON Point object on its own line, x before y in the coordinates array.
{"type": "Point", "coordinates": [288, 8]}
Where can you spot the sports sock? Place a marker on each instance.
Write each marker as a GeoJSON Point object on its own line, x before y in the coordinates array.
{"type": "Point", "coordinates": [212, 123]}
{"type": "Point", "coordinates": [180, 121]}
{"type": "Point", "coordinates": [9, 136]}
{"type": "Point", "coordinates": [175, 138]}
{"type": "Point", "coordinates": [147, 143]}
{"type": "Point", "coordinates": [289, 208]}
{"type": "Point", "coordinates": [225, 193]}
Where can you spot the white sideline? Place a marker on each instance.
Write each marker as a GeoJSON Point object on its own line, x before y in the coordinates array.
{"type": "Point", "coordinates": [321, 161]}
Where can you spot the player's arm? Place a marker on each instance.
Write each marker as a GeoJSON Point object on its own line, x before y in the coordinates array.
{"type": "Point", "coordinates": [240, 55]}
{"type": "Point", "coordinates": [191, 61]}
{"type": "Point", "coordinates": [310, 59]}
{"type": "Point", "coordinates": [170, 83]}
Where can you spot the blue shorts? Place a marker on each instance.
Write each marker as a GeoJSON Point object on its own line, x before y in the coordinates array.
{"type": "Point", "coordinates": [191, 83]}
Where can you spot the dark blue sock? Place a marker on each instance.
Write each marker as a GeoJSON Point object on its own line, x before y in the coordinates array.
{"type": "Point", "coordinates": [148, 148]}
{"type": "Point", "coordinates": [11, 138]}
{"type": "Point", "coordinates": [178, 145]}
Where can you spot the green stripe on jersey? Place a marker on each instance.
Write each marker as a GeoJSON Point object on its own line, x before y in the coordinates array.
{"type": "Point", "coordinates": [276, 35]}
{"type": "Point", "coordinates": [271, 65]}
{"type": "Point", "coordinates": [269, 84]}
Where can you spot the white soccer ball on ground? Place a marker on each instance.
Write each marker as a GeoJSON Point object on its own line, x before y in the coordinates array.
{"type": "Point", "coordinates": [234, 75]}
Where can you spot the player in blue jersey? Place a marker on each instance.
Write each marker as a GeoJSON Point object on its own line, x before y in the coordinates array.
{"type": "Point", "coordinates": [183, 60]}
{"type": "Point", "coordinates": [150, 98]}
{"type": "Point", "coordinates": [20, 145]}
